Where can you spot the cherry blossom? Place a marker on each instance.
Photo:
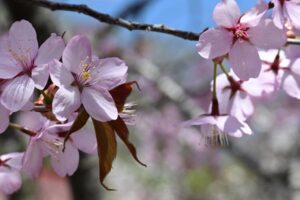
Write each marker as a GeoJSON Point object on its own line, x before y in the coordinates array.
{"type": "Point", "coordinates": [239, 36]}
{"type": "Point", "coordinates": [235, 96]}
{"type": "Point", "coordinates": [24, 65]}
{"type": "Point", "coordinates": [10, 178]}
{"type": "Point", "coordinates": [286, 11]}
{"type": "Point", "coordinates": [48, 140]}
{"type": "Point", "coordinates": [84, 79]}
{"type": "Point", "coordinates": [283, 71]}
{"type": "Point", "coordinates": [215, 128]}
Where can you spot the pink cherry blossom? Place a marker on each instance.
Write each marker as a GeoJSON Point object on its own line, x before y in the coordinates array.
{"type": "Point", "coordinates": [239, 36]}
{"type": "Point", "coordinates": [215, 128]}
{"type": "Point", "coordinates": [10, 178]}
{"type": "Point", "coordinates": [49, 140]}
{"type": "Point", "coordinates": [235, 96]}
{"type": "Point", "coordinates": [84, 79]}
{"type": "Point", "coordinates": [285, 72]}
{"type": "Point", "coordinates": [24, 65]}
{"type": "Point", "coordinates": [286, 11]}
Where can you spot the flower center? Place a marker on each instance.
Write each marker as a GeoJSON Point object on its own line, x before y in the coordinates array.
{"type": "Point", "coordinates": [85, 76]}
{"type": "Point", "coordinates": [240, 32]}
{"type": "Point", "coordinates": [4, 163]}
{"type": "Point", "coordinates": [234, 86]}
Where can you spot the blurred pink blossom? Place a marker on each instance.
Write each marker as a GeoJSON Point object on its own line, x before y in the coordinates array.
{"type": "Point", "coordinates": [286, 11]}
{"type": "Point", "coordinates": [10, 178]}
{"type": "Point", "coordinates": [49, 140]}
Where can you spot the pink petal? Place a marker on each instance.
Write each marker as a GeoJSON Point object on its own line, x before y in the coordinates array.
{"type": "Point", "coordinates": [110, 72]}
{"type": "Point", "coordinates": [40, 76]}
{"type": "Point", "coordinates": [33, 159]}
{"type": "Point", "coordinates": [223, 93]}
{"type": "Point", "coordinates": [293, 11]}
{"type": "Point", "coordinates": [66, 163]}
{"type": "Point", "coordinates": [31, 120]}
{"type": "Point", "coordinates": [245, 129]}
{"type": "Point", "coordinates": [99, 104]}
{"type": "Point", "coordinates": [9, 67]}
{"type": "Point", "coordinates": [201, 120]}
{"type": "Point", "coordinates": [291, 87]}
{"type": "Point", "coordinates": [242, 106]}
{"type": "Point", "coordinates": [226, 13]}
{"type": "Point", "coordinates": [85, 140]}
{"type": "Point", "coordinates": [266, 35]}
{"type": "Point", "coordinates": [14, 160]}
{"type": "Point", "coordinates": [230, 125]}
{"type": "Point", "coordinates": [214, 43]}
{"type": "Point", "coordinates": [4, 118]}
{"type": "Point", "coordinates": [60, 76]}
{"type": "Point", "coordinates": [17, 92]}
{"type": "Point", "coordinates": [244, 60]}
{"type": "Point", "coordinates": [254, 16]}
{"type": "Point", "coordinates": [77, 52]}
{"type": "Point", "coordinates": [65, 102]}
{"type": "Point", "coordinates": [10, 182]}
{"type": "Point", "coordinates": [295, 66]}
{"type": "Point", "coordinates": [23, 41]}
{"type": "Point", "coordinates": [278, 17]}
{"type": "Point", "coordinates": [51, 49]}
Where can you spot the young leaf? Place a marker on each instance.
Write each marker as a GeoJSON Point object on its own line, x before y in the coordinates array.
{"type": "Point", "coordinates": [107, 148]}
{"type": "Point", "coordinates": [121, 129]}
{"type": "Point", "coordinates": [120, 94]}
{"type": "Point", "coordinates": [79, 122]}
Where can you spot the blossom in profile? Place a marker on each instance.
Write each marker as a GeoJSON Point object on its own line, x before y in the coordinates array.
{"type": "Point", "coordinates": [239, 36]}
{"type": "Point", "coordinates": [286, 11]}
{"type": "Point", "coordinates": [24, 65]}
{"type": "Point", "coordinates": [47, 140]}
{"type": "Point", "coordinates": [235, 95]}
{"type": "Point", "coordinates": [215, 128]}
{"type": "Point", "coordinates": [10, 178]}
{"type": "Point", "coordinates": [84, 79]}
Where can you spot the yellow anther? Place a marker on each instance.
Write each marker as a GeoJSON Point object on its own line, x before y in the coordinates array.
{"type": "Point", "coordinates": [86, 74]}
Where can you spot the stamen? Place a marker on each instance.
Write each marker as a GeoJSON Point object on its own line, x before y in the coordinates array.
{"type": "Point", "coordinates": [216, 138]}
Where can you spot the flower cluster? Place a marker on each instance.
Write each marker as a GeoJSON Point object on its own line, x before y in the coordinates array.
{"type": "Point", "coordinates": [83, 89]}
{"type": "Point", "coordinates": [255, 48]}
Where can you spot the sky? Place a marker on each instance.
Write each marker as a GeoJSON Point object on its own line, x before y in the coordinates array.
{"type": "Point", "coordinates": [189, 15]}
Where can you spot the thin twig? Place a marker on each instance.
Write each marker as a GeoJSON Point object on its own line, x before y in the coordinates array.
{"type": "Point", "coordinates": [105, 18]}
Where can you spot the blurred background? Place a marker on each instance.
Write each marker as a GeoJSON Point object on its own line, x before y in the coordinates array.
{"type": "Point", "coordinates": [175, 86]}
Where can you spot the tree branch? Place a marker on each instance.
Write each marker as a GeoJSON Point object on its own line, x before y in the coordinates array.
{"type": "Point", "coordinates": [105, 18]}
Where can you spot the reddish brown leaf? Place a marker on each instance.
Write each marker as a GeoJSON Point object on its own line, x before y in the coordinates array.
{"type": "Point", "coordinates": [79, 122]}
{"type": "Point", "coordinates": [107, 148]}
{"type": "Point", "coordinates": [120, 94]}
{"type": "Point", "coordinates": [120, 127]}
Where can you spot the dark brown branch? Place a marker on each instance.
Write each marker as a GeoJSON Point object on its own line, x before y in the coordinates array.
{"type": "Point", "coordinates": [105, 18]}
